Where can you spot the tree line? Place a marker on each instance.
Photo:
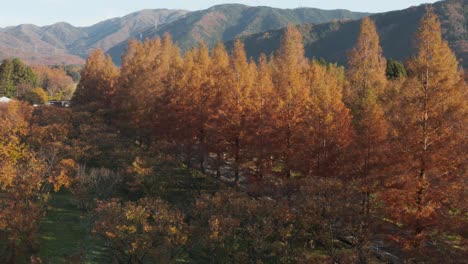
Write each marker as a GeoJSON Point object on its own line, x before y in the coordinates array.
{"type": "Point", "coordinates": [37, 84]}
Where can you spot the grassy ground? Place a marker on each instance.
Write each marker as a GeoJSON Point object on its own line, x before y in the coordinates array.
{"type": "Point", "coordinates": [65, 235]}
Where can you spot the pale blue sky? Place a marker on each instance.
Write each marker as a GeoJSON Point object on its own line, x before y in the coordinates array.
{"type": "Point", "coordinates": [88, 12]}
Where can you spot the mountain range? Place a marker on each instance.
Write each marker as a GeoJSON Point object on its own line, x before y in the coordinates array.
{"type": "Point", "coordinates": [63, 43]}
{"type": "Point", "coordinates": [328, 34]}
{"type": "Point", "coordinates": [396, 29]}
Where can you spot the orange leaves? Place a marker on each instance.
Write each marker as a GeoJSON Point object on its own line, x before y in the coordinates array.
{"type": "Point", "coordinates": [140, 167]}
{"type": "Point", "coordinates": [428, 119]}
{"type": "Point", "coordinates": [98, 81]}
{"type": "Point", "coordinates": [136, 230]}
{"type": "Point", "coordinates": [329, 131]}
{"type": "Point", "coordinates": [55, 81]}
{"type": "Point", "coordinates": [245, 228]}
{"type": "Point", "coordinates": [366, 63]}
{"type": "Point", "coordinates": [62, 174]}
{"type": "Point", "coordinates": [28, 171]}
{"type": "Point", "coordinates": [21, 177]}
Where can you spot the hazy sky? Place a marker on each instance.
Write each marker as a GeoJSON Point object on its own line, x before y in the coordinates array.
{"type": "Point", "coordinates": [88, 12]}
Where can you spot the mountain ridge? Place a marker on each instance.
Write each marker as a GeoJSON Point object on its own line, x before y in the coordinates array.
{"type": "Point", "coordinates": [226, 22]}
{"type": "Point", "coordinates": [63, 43]}
{"type": "Point", "coordinates": [396, 29]}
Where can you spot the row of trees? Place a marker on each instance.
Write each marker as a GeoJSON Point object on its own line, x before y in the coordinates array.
{"type": "Point", "coordinates": [396, 137]}
{"type": "Point", "coordinates": [27, 176]}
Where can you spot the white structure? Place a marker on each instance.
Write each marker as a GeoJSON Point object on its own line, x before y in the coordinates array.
{"type": "Point", "coordinates": [4, 99]}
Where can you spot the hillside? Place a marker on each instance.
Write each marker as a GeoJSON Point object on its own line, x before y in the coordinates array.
{"type": "Point", "coordinates": [62, 43]}
{"type": "Point", "coordinates": [227, 22]}
{"type": "Point", "coordinates": [333, 40]}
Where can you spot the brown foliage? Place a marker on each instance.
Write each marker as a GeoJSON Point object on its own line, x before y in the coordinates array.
{"type": "Point", "coordinates": [147, 229]}
{"type": "Point", "coordinates": [430, 139]}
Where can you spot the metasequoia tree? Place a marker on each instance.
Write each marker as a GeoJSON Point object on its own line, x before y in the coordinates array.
{"type": "Point", "coordinates": [292, 94]}
{"type": "Point", "coordinates": [172, 66]}
{"type": "Point", "coordinates": [366, 83]}
{"type": "Point", "coordinates": [237, 103]}
{"type": "Point", "coordinates": [98, 81]}
{"type": "Point", "coordinates": [328, 132]}
{"type": "Point", "coordinates": [261, 118]}
{"type": "Point", "coordinates": [194, 104]}
{"type": "Point", "coordinates": [221, 82]}
{"type": "Point", "coordinates": [430, 133]}
{"type": "Point", "coordinates": [144, 69]}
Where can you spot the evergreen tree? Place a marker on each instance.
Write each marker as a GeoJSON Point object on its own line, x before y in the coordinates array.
{"type": "Point", "coordinates": [395, 70]}
{"type": "Point", "coordinates": [6, 78]}
{"type": "Point", "coordinates": [22, 73]}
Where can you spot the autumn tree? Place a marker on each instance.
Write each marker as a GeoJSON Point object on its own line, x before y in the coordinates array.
{"type": "Point", "coordinates": [237, 228]}
{"type": "Point", "coordinates": [145, 71]}
{"type": "Point", "coordinates": [236, 104]}
{"type": "Point", "coordinates": [136, 232]}
{"type": "Point", "coordinates": [221, 82]}
{"type": "Point", "coordinates": [261, 118]}
{"type": "Point", "coordinates": [328, 130]}
{"type": "Point", "coordinates": [131, 87]}
{"type": "Point", "coordinates": [367, 80]}
{"type": "Point", "coordinates": [98, 81]}
{"type": "Point", "coordinates": [25, 182]}
{"type": "Point", "coordinates": [430, 135]}
{"type": "Point", "coordinates": [35, 96]}
{"type": "Point", "coordinates": [292, 94]}
{"type": "Point", "coordinates": [195, 103]}
{"type": "Point", "coordinates": [55, 81]}
{"type": "Point", "coordinates": [171, 71]}
{"type": "Point", "coordinates": [167, 57]}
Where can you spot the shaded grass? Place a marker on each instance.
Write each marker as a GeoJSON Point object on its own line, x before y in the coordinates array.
{"type": "Point", "coordinates": [65, 234]}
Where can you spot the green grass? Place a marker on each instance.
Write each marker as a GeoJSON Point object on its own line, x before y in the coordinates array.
{"type": "Point", "coordinates": [65, 235]}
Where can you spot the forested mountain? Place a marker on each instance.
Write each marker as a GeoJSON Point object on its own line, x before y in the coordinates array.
{"type": "Point", "coordinates": [63, 43]}
{"type": "Point", "coordinates": [227, 22]}
{"type": "Point", "coordinates": [328, 34]}
{"type": "Point", "coordinates": [333, 40]}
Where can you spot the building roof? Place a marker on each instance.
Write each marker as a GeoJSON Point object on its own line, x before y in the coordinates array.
{"type": "Point", "coordinates": [4, 99]}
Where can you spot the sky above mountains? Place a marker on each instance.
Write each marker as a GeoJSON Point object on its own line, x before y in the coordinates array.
{"type": "Point", "coordinates": [88, 12]}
